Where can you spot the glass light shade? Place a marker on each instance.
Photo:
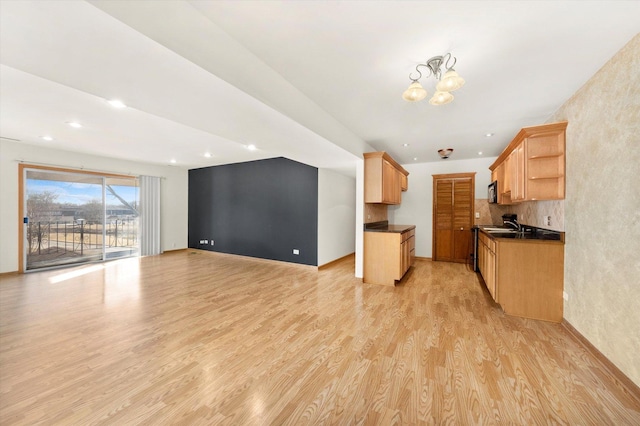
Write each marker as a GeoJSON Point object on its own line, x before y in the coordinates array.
{"type": "Point", "coordinates": [450, 81]}
{"type": "Point", "coordinates": [445, 153]}
{"type": "Point", "coordinates": [441, 98]}
{"type": "Point", "coordinates": [415, 92]}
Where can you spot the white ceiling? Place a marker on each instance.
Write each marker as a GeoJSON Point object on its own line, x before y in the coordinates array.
{"type": "Point", "coordinates": [319, 82]}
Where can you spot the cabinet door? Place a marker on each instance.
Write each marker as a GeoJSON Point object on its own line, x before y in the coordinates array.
{"type": "Point", "coordinates": [513, 175]}
{"type": "Point", "coordinates": [522, 170]}
{"type": "Point", "coordinates": [412, 250]}
{"type": "Point", "coordinates": [508, 173]}
{"type": "Point", "coordinates": [482, 254]}
{"type": "Point", "coordinates": [491, 273]}
{"type": "Point", "coordinates": [487, 263]}
{"type": "Point", "coordinates": [390, 184]}
{"type": "Point", "coordinates": [498, 175]}
{"type": "Point", "coordinates": [404, 263]}
{"type": "Point", "coordinates": [404, 182]}
{"type": "Point", "coordinates": [518, 185]}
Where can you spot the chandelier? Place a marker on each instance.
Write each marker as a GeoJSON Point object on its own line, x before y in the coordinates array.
{"type": "Point", "coordinates": [449, 82]}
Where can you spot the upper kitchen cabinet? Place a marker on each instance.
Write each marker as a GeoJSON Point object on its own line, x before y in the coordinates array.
{"type": "Point", "coordinates": [545, 164]}
{"type": "Point", "coordinates": [532, 166]}
{"type": "Point", "coordinates": [384, 179]}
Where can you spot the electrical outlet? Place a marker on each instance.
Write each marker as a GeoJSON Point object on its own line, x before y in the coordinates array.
{"type": "Point", "coordinates": [296, 251]}
{"type": "Point", "coordinates": [565, 296]}
{"type": "Point", "coordinates": [211, 242]}
{"type": "Point", "coordinates": [547, 220]}
{"type": "Point", "coordinates": [206, 241]}
{"type": "Point", "coordinates": [477, 215]}
{"type": "Point", "coordinates": [201, 241]}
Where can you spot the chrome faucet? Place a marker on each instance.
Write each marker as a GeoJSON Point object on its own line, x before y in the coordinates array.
{"type": "Point", "coordinates": [515, 224]}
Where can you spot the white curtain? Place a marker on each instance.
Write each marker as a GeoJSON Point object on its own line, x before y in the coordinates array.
{"type": "Point", "coordinates": [149, 215]}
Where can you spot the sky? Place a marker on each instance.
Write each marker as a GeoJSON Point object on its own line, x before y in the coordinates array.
{"type": "Point", "coordinates": [80, 193]}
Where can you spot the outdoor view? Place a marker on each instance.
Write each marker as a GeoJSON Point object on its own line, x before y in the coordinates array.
{"type": "Point", "coordinates": [70, 221]}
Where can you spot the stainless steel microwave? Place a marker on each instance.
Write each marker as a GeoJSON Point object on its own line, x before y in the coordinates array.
{"type": "Point", "coordinates": [492, 193]}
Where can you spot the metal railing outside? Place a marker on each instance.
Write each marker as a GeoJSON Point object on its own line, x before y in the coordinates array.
{"type": "Point", "coordinates": [52, 242]}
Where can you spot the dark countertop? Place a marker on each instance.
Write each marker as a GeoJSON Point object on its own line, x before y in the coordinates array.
{"type": "Point", "coordinates": [385, 227]}
{"type": "Point", "coordinates": [530, 233]}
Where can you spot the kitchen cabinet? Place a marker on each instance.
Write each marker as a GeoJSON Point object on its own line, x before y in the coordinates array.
{"type": "Point", "coordinates": [404, 182]}
{"type": "Point", "coordinates": [499, 175]}
{"type": "Point", "coordinates": [453, 204]}
{"type": "Point", "coordinates": [517, 172]}
{"type": "Point", "coordinates": [388, 255]}
{"type": "Point", "coordinates": [526, 277]}
{"type": "Point", "coordinates": [533, 165]}
{"type": "Point", "coordinates": [384, 179]}
{"type": "Point", "coordinates": [506, 176]}
{"type": "Point", "coordinates": [390, 184]}
{"type": "Point", "coordinates": [408, 249]}
{"type": "Point", "coordinates": [545, 159]}
{"type": "Point", "coordinates": [487, 262]}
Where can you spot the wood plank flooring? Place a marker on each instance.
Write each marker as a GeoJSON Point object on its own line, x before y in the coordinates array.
{"type": "Point", "coordinates": [195, 337]}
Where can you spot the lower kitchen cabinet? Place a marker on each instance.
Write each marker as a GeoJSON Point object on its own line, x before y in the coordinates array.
{"type": "Point", "coordinates": [388, 255]}
{"type": "Point", "coordinates": [525, 277]}
{"type": "Point", "coordinates": [487, 262]}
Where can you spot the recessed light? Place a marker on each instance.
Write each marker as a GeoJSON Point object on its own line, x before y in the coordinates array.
{"type": "Point", "coordinates": [74, 124]}
{"type": "Point", "coordinates": [489, 134]}
{"type": "Point", "coordinates": [47, 138]}
{"type": "Point", "coordinates": [207, 154]}
{"type": "Point", "coordinates": [415, 158]}
{"type": "Point", "coordinates": [117, 103]}
{"type": "Point", "coordinates": [480, 153]}
{"type": "Point", "coordinates": [251, 147]}
{"type": "Point", "coordinates": [405, 144]}
{"type": "Point", "coordinates": [172, 161]}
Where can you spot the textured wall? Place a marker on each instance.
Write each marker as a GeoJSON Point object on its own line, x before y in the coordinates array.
{"type": "Point", "coordinates": [602, 209]}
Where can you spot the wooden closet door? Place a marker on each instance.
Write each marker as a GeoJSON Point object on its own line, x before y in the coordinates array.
{"type": "Point", "coordinates": [443, 219]}
{"type": "Point", "coordinates": [453, 204]}
{"type": "Point", "coordinates": [462, 219]}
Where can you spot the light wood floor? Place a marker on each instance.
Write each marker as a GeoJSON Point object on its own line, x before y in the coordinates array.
{"type": "Point", "coordinates": [203, 338]}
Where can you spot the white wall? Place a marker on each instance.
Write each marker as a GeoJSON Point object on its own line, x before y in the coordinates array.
{"type": "Point", "coordinates": [336, 215]}
{"type": "Point", "coordinates": [417, 202]}
{"type": "Point", "coordinates": [173, 192]}
{"type": "Point", "coordinates": [359, 272]}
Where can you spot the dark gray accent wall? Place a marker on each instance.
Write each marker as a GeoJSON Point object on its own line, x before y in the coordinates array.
{"type": "Point", "coordinates": [264, 209]}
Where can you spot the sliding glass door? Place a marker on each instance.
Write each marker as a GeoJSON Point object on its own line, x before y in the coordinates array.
{"type": "Point", "coordinates": [73, 217]}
